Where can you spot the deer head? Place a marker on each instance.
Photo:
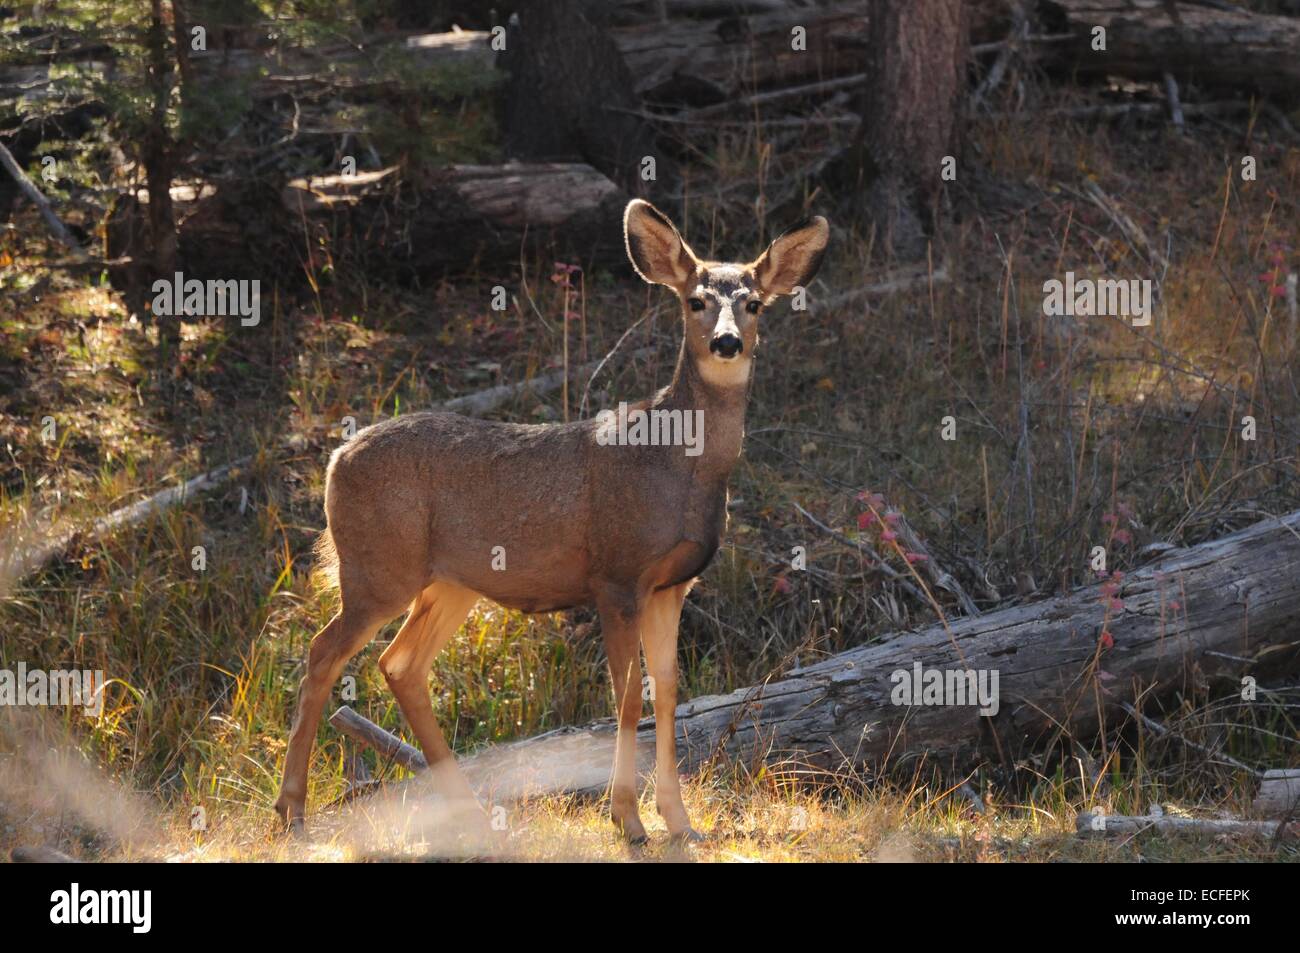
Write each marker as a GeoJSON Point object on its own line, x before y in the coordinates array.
{"type": "Point", "coordinates": [720, 301]}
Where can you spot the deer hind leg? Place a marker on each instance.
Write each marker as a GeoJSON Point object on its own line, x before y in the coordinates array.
{"type": "Point", "coordinates": [619, 623]}
{"type": "Point", "coordinates": [345, 635]}
{"type": "Point", "coordinates": [435, 617]}
{"type": "Point", "coordinates": [659, 637]}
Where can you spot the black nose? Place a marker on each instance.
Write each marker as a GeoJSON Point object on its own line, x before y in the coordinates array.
{"type": "Point", "coordinates": [726, 345]}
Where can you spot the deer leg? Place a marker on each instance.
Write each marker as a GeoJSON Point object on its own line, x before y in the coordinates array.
{"type": "Point", "coordinates": [619, 623]}
{"type": "Point", "coordinates": [659, 638]}
{"type": "Point", "coordinates": [434, 619]}
{"type": "Point", "coordinates": [345, 635]}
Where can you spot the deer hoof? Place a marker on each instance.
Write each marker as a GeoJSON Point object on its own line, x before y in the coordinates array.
{"type": "Point", "coordinates": [291, 821]}
{"type": "Point", "coordinates": [688, 836]}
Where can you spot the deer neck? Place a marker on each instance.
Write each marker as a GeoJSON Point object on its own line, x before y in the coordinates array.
{"type": "Point", "coordinates": [721, 402]}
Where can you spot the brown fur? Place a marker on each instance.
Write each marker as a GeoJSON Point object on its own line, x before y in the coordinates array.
{"type": "Point", "coordinates": [418, 505]}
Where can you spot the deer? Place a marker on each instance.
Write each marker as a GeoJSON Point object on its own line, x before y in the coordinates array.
{"type": "Point", "coordinates": [429, 512]}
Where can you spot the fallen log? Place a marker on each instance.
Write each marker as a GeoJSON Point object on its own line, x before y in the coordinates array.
{"type": "Point", "coordinates": [1057, 675]}
{"type": "Point", "coordinates": [465, 212]}
{"type": "Point", "coordinates": [1214, 45]}
{"type": "Point", "coordinates": [41, 854]}
{"type": "Point", "coordinates": [1279, 794]}
{"type": "Point", "coordinates": [1096, 823]}
{"type": "Point", "coordinates": [703, 62]}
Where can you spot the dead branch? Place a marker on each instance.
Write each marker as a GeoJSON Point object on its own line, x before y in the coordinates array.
{"type": "Point", "coordinates": [37, 198]}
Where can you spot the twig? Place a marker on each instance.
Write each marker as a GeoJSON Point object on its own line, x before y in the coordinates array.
{"type": "Point", "coordinates": [776, 95]}
{"type": "Point", "coordinates": [784, 123]}
{"type": "Point", "coordinates": [979, 49]}
{"type": "Point", "coordinates": [1280, 118]}
{"type": "Point", "coordinates": [1175, 106]}
{"type": "Point", "coordinates": [640, 352]}
{"type": "Point", "coordinates": [877, 563]}
{"type": "Point", "coordinates": [388, 745]}
{"type": "Point", "coordinates": [1293, 310]}
{"type": "Point", "coordinates": [1019, 30]}
{"type": "Point", "coordinates": [1113, 110]}
{"type": "Point", "coordinates": [87, 263]}
{"type": "Point", "coordinates": [904, 282]}
{"type": "Point", "coordinates": [1132, 231]}
{"type": "Point", "coordinates": [1164, 732]}
{"type": "Point", "coordinates": [936, 573]}
{"type": "Point", "coordinates": [29, 189]}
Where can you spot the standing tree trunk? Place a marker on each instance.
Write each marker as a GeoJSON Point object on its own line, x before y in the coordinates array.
{"type": "Point", "coordinates": [912, 101]}
{"type": "Point", "coordinates": [570, 96]}
{"type": "Point", "coordinates": [159, 158]}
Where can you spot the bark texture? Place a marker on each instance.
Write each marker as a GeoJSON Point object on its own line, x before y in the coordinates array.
{"type": "Point", "coordinates": [570, 96]}
{"type": "Point", "coordinates": [912, 102]}
{"type": "Point", "coordinates": [1203, 43]}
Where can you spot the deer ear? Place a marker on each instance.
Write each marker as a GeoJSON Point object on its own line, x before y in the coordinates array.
{"type": "Point", "coordinates": [793, 259]}
{"type": "Point", "coordinates": [656, 248]}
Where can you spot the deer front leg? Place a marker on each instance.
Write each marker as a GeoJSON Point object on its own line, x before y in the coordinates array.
{"type": "Point", "coordinates": [346, 634]}
{"type": "Point", "coordinates": [619, 622]}
{"type": "Point", "coordinates": [659, 637]}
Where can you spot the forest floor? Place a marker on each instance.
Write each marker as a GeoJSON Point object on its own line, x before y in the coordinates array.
{"type": "Point", "coordinates": [1132, 438]}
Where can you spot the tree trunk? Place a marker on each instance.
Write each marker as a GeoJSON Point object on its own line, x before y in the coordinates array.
{"type": "Point", "coordinates": [1224, 608]}
{"type": "Point", "coordinates": [912, 101]}
{"type": "Point", "coordinates": [569, 97]}
{"type": "Point", "coordinates": [1203, 43]}
{"type": "Point", "coordinates": [158, 157]}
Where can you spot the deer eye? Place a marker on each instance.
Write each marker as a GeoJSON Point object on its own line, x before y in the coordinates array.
{"type": "Point", "coordinates": [696, 304]}
{"type": "Point", "coordinates": [754, 307]}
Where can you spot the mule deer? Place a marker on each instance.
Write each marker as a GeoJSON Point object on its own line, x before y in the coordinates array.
{"type": "Point", "coordinates": [432, 511]}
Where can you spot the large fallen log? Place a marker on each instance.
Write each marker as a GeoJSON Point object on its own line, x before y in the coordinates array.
{"type": "Point", "coordinates": [1212, 44]}
{"type": "Point", "coordinates": [700, 62]}
{"type": "Point", "coordinates": [1228, 608]}
{"type": "Point", "coordinates": [417, 227]}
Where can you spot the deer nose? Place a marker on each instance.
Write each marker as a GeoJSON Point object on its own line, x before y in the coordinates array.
{"type": "Point", "coordinates": [726, 345]}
